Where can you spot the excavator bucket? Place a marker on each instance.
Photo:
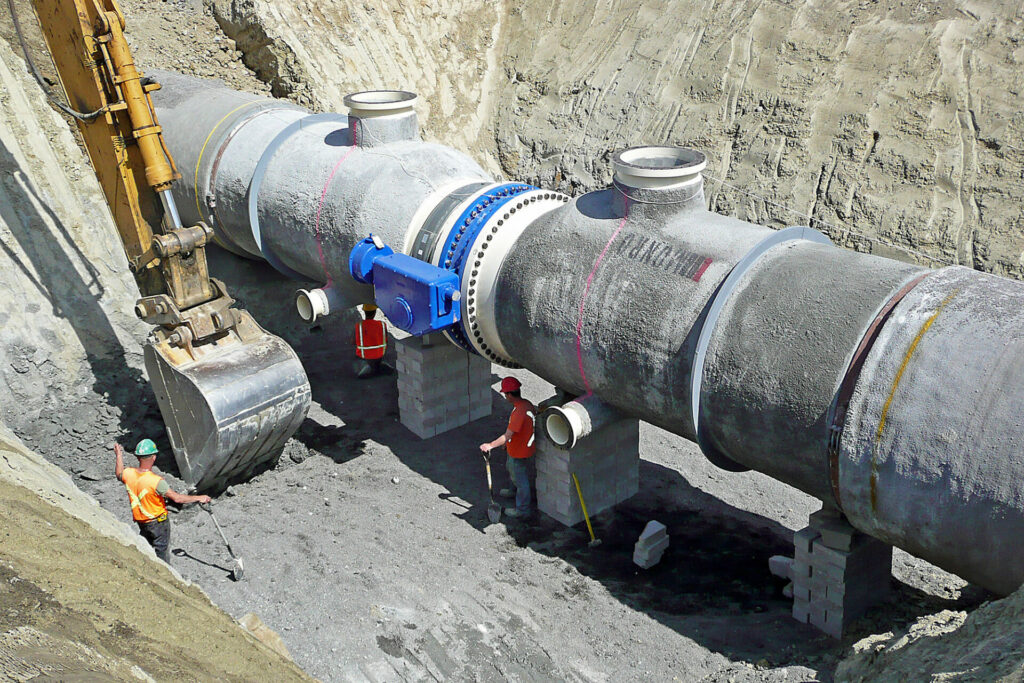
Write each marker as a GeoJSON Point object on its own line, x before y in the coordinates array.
{"type": "Point", "coordinates": [229, 406]}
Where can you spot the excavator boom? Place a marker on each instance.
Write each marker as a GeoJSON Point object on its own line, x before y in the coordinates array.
{"type": "Point", "coordinates": [230, 392]}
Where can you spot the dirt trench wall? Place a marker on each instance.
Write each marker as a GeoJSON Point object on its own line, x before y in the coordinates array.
{"type": "Point", "coordinates": [317, 52]}
{"type": "Point", "coordinates": [66, 326]}
{"type": "Point", "coordinates": [84, 594]}
{"type": "Point", "coordinates": [899, 121]}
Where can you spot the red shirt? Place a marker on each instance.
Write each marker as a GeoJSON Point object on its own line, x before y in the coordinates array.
{"type": "Point", "coordinates": [522, 443]}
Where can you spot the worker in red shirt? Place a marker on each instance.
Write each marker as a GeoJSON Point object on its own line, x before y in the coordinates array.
{"type": "Point", "coordinates": [371, 342]}
{"type": "Point", "coordinates": [519, 441]}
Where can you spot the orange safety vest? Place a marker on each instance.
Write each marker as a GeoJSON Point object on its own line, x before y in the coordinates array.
{"type": "Point", "coordinates": [147, 504]}
{"type": "Point", "coordinates": [371, 339]}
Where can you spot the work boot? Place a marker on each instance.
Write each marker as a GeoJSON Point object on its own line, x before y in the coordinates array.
{"type": "Point", "coordinates": [507, 493]}
{"type": "Point", "coordinates": [514, 513]}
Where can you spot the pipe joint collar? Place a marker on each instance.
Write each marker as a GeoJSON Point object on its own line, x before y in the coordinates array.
{"type": "Point", "coordinates": [381, 117]}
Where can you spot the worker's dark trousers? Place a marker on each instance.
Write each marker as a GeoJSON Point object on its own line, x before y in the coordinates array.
{"type": "Point", "coordinates": [364, 368]}
{"type": "Point", "coordinates": [159, 536]}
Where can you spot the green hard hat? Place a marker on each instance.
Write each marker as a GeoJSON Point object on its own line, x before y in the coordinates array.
{"type": "Point", "coordinates": [146, 447]}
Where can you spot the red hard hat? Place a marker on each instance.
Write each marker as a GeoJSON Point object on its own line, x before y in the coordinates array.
{"type": "Point", "coordinates": [510, 384]}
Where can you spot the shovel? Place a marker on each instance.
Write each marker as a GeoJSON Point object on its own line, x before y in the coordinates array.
{"type": "Point", "coordinates": [493, 509]}
{"type": "Point", "coordinates": [238, 571]}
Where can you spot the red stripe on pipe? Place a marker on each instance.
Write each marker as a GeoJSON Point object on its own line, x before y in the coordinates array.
{"type": "Point", "coordinates": [586, 292]}
{"type": "Point", "coordinates": [700, 271]}
{"type": "Point", "coordinates": [320, 206]}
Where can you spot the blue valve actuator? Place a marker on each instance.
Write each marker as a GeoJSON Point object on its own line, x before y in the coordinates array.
{"type": "Point", "coordinates": [414, 295]}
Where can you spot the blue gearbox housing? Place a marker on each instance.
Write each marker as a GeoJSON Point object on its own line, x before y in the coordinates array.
{"type": "Point", "coordinates": [414, 295]}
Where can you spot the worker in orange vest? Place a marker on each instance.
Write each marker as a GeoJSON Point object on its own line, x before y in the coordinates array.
{"type": "Point", "coordinates": [371, 342]}
{"type": "Point", "coordinates": [146, 493]}
{"type": "Point", "coordinates": [519, 442]}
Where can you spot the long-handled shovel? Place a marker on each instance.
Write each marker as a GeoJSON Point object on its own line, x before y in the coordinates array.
{"type": "Point", "coordinates": [594, 541]}
{"type": "Point", "coordinates": [238, 571]}
{"type": "Point", "coordinates": [493, 509]}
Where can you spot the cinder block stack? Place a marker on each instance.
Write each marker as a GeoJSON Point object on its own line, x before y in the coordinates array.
{"type": "Point", "coordinates": [838, 573]}
{"type": "Point", "coordinates": [440, 386]}
{"type": "Point", "coordinates": [651, 545]}
{"type": "Point", "coordinates": [607, 464]}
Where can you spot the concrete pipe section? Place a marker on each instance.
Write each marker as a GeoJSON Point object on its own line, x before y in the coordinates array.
{"type": "Point", "coordinates": [887, 390]}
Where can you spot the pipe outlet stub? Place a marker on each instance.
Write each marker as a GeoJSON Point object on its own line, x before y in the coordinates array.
{"type": "Point", "coordinates": [574, 420]}
{"type": "Point", "coordinates": [562, 426]}
{"type": "Point", "coordinates": [313, 304]}
{"type": "Point", "coordinates": [381, 117]}
{"type": "Point", "coordinates": [375, 103]}
{"type": "Point", "coordinates": [658, 167]}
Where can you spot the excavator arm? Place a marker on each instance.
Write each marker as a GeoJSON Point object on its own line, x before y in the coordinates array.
{"type": "Point", "coordinates": [230, 393]}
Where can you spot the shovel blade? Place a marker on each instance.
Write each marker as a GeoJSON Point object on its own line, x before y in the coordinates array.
{"type": "Point", "coordinates": [494, 513]}
{"type": "Point", "coordinates": [230, 409]}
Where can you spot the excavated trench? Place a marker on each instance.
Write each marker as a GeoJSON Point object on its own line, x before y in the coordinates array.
{"type": "Point", "coordinates": [368, 550]}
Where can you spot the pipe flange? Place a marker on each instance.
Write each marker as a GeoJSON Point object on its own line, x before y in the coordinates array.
{"type": "Point", "coordinates": [454, 251]}
{"type": "Point", "coordinates": [481, 273]}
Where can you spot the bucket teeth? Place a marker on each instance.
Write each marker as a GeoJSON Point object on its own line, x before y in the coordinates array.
{"type": "Point", "coordinates": [229, 410]}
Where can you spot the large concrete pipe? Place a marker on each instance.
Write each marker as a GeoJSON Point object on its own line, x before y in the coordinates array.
{"type": "Point", "coordinates": [885, 389]}
{"type": "Point", "coordinates": [301, 189]}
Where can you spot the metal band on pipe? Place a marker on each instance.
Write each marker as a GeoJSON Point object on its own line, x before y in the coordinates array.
{"type": "Point", "coordinates": [210, 186]}
{"type": "Point", "coordinates": [841, 404]}
{"type": "Point", "coordinates": [726, 289]}
{"type": "Point", "coordinates": [257, 182]}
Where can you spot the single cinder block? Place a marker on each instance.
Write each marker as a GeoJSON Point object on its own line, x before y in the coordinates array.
{"type": "Point", "coordinates": [653, 547]}
{"type": "Point", "coordinates": [801, 570]}
{"type": "Point", "coordinates": [420, 430]}
{"type": "Point", "coordinates": [829, 621]}
{"type": "Point", "coordinates": [781, 566]}
{"type": "Point", "coordinates": [653, 531]}
{"type": "Point", "coordinates": [801, 609]}
{"type": "Point", "coordinates": [802, 539]}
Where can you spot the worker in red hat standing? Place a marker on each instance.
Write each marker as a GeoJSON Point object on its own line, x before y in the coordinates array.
{"type": "Point", "coordinates": [518, 440]}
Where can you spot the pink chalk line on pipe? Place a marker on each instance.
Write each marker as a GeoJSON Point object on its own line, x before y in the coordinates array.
{"type": "Point", "coordinates": [586, 292]}
{"type": "Point", "coordinates": [353, 123]}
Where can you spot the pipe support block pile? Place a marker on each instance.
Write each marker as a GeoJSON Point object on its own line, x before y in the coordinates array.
{"type": "Point", "coordinates": [888, 390]}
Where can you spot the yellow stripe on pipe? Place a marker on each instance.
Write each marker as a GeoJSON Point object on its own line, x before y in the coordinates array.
{"type": "Point", "coordinates": [195, 184]}
{"type": "Point", "coordinates": [892, 395]}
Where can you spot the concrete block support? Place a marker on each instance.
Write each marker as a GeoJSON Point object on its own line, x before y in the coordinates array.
{"type": "Point", "coordinates": [607, 464]}
{"type": "Point", "coordinates": [440, 386]}
{"type": "Point", "coordinates": [838, 573]}
{"type": "Point", "coordinates": [651, 545]}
